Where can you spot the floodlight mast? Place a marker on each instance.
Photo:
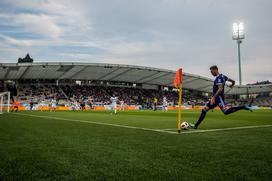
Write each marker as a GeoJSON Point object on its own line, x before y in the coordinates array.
{"type": "Point", "coordinates": [238, 35]}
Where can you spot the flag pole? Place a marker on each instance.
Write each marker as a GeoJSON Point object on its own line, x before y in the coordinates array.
{"type": "Point", "coordinates": [179, 107]}
{"type": "Point", "coordinates": [178, 84]}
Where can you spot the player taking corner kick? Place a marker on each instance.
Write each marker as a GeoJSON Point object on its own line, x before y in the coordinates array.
{"type": "Point", "coordinates": [218, 98]}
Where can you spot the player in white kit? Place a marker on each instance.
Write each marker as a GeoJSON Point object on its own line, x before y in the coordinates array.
{"type": "Point", "coordinates": [114, 101]}
{"type": "Point", "coordinates": [54, 104]}
{"type": "Point", "coordinates": [165, 104]}
{"type": "Point", "coordinates": [122, 105]}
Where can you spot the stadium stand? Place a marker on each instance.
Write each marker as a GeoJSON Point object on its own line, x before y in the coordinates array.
{"type": "Point", "coordinates": [95, 84]}
{"type": "Point", "coordinates": [42, 92]}
{"type": "Point", "coordinates": [100, 95]}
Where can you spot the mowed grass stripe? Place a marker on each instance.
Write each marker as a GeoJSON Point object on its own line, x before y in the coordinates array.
{"type": "Point", "coordinates": [100, 123]}
{"type": "Point", "coordinates": [169, 131]}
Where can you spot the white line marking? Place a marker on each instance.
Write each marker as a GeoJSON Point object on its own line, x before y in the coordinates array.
{"type": "Point", "coordinates": [169, 129]}
{"type": "Point", "coordinates": [100, 123]}
{"type": "Point", "coordinates": [227, 129]}
{"type": "Point", "coordinates": [149, 129]}
{"type": "Point", "coordinates": [220, 129]}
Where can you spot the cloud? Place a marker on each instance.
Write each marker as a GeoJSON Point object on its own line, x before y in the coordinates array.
{"type": "Point", "coordinates": [41, 24]}
{"type": "Point", "coordinates": [15, 42]}
{"type": "Point", "coordinates": [161, 33]}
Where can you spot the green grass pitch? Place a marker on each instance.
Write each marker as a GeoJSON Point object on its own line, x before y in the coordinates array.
{"type": "Point", "coordinates": [135, 145]}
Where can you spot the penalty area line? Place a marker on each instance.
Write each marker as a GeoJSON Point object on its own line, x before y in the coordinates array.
{"type": "Point", "coordinates": [99, 123]}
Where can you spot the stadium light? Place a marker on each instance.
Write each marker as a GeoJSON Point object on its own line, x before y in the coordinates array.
{"type": "Point", "coordinates": [238, 35]}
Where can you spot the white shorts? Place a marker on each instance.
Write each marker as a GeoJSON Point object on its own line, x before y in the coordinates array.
{"type": "Point", "coordinates": [114, 106]}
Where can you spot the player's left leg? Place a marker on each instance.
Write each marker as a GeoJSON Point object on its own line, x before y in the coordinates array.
{"type": "Point", "coordinates": [113, 108]}
{"type": "Point", "coordinates": [228, 109]}
{"type": "Point", "coordinates": [233, 109]}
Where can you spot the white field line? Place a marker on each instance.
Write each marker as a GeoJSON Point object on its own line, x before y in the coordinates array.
{"type": "Point", "coordinates": [100, 123]}
{"type": "Point", "coordinates": [220, 129]}
{"type": "Point", "coordinates": [170, 131]}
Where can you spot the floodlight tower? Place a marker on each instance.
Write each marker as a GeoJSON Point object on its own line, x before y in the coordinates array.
{"type": "Point", "coordinates": [238, 35]}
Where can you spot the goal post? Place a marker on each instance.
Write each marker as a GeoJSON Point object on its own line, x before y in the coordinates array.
{"type": "Point", "coordinates": [4, 102]}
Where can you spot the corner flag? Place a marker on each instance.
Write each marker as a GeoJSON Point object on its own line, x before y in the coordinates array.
{"type": "Point", "coordinates": [178, 84]}
{"type": "Point", "coordinates": [178, 78]}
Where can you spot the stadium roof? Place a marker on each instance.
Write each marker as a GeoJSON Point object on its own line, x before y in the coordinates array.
{"type": "Point", "coordinates": [115, 72]}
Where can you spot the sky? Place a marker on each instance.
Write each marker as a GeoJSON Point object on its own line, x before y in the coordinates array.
{"type": "Point", "coordinates": [192, 34]}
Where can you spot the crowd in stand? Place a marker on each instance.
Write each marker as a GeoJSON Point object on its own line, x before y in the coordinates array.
{"type": "Point", "coordinates": [43, 92]}
{"type": "Point", "coordinates": [131, 96]}
{"type": "Point", "coordinates": [101, 95]}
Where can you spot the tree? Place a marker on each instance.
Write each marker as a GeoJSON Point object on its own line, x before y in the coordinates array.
{"type": "Point", "coordinates": [27, 59]}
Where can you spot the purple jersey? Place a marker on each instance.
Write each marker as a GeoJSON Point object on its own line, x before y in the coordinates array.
{"type": "Point", "coordinates": [219, 80]}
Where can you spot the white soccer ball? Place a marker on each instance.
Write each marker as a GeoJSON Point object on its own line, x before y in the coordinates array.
{"type": "Point", "coordinates": [184, 125]}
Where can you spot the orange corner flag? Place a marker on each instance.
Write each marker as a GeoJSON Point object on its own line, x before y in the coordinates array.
{"type": "Point", "coordinates": [178, 85]}
{"type": "Point", "coordinates": [178, 78]}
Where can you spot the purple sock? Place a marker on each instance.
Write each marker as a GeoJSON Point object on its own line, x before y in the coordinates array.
{"type": "Point", "coordinates": [201, 118]}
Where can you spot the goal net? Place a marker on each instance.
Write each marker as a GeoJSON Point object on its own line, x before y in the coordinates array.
{"type": "Point", "coordinates": [4, 102]}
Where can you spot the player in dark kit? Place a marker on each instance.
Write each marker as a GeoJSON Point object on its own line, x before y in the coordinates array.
{"type": "Point", "coordinates": [31, 104]}
{"type": "Point", "coordinates": [218, 98]}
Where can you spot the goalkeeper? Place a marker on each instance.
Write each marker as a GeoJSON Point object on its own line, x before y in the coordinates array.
{"type": "Point", "coordinates": [218, 99]}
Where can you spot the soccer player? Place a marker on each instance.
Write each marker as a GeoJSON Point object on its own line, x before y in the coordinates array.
{"type": "Point", "coordinates": [114, 100]}
{"type": "Point", "coordinates": [90, 103]}
{"type": "Point", "coordinates": [217, 98]}
{"type": "Point", "coordinates": [54, 104]}
{"type": "Point", "coordinates": [50, 105]}
{"type": "Point", "coordinates": [122, 105]}
{"type": "Point", "coordinates": [155, 103]}
{"type": "Point", "coordinates": [74, 105]}
{"type": "Point", "coordinates": [31, 104]}
{"type": "Point", "coordinates": [16, 105]}
{"type": "Point", "coordinates": [164, 104]}
{"type": "Point", "coordinates": [82, 105]}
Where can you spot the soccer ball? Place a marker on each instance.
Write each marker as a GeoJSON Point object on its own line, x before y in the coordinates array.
{"type": "Point", "coordinates": [184, 125]}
